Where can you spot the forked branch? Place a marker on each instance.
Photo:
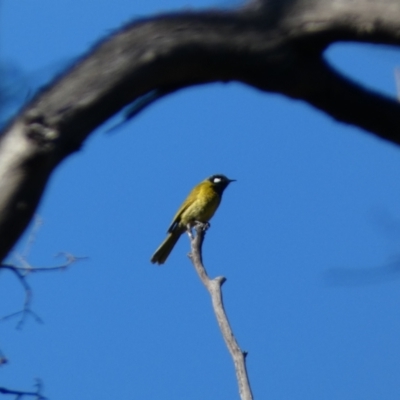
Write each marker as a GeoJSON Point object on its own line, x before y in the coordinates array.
{"type": "Point", "coordinates": [214, 288]}
{"type": "Point", "coordinates": [22, 273]}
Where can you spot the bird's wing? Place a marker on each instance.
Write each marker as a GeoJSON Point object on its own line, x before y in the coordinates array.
{"type": "Point", "coordinates": [185, 205]}
{"type": "Point", "coordinates": [175, 221]}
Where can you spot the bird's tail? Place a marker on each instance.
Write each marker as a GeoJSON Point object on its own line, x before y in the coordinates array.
{"type": "Point", "coordinates": [162, 253]}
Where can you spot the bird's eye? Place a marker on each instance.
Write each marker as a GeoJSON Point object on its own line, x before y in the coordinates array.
{"type": "Point", "coordinates": [216, 180]}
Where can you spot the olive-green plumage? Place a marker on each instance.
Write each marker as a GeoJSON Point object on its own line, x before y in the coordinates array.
{"type": "Point", "coordinates": [199, 206]}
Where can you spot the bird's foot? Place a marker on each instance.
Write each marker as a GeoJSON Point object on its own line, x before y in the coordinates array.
{"type": "Point", "coordinates": [203, 225]}
{"type": "Point", "coordinates": [189, 231]}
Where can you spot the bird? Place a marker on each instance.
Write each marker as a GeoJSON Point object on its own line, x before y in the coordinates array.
{"type": "Point", "coordinates": [199, 206]}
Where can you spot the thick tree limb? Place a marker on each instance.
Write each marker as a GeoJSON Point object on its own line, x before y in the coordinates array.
{"type": "Point", "coordinates": [214, 288]}
{"type": "Point", "coordinates": [274, 45]}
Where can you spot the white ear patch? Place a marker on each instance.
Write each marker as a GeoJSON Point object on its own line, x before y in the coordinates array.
{"type": "Point", "coordinates": [216, 180]}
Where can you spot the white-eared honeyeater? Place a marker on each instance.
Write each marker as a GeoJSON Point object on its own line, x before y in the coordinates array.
{"type": "Point", "coordinates": [199, 206]}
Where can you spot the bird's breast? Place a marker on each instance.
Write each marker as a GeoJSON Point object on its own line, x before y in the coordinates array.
{"type": "Point", "coordinates": [203, 205]}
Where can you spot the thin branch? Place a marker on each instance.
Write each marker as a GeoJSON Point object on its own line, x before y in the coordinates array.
{"type": "Point", "coordinates": [26, 310]}
{"type": "Point", "coordinates": [38, 222]}
{"type": "Point", "coordinates": [70, 259]}
{"type": "Point", "coordinates": [20, 394]}
{"type": "Point", "coordinates": [22, 273]}
{"type": "Point", "coordinates": [214, 288]}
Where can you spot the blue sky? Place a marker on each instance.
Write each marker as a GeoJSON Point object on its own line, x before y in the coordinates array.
{"type": "Point", "coordinates": [304, 237]}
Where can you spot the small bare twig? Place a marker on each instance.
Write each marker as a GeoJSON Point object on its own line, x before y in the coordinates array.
{"type": "Point", "coordinates": [26, 310]}
{"type": "Point", "coordinates": [214, 288]}
{"type": "Point", "coordinates": [22, 272]}
{"type": "Point", "coordinates": [37, 223]}
{"type": "Point", "coordinates": [19, 395]}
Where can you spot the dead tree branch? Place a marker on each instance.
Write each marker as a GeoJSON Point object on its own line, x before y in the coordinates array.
{"type": "Point", "coordinates": [22, 274]}
{"type": "Point", "coordinates": [274, 46]}
{"type": "Point", "coordinates": [214, 288]}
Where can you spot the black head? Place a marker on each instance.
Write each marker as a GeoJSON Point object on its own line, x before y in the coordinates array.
{"type": "Point", "coordinates": [220, 182]}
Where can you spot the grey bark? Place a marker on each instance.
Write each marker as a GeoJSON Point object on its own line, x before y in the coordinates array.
{"type": "Point", "coordinates": [275, 46]}
{"type": "Point", "coordinates": [214, 288]}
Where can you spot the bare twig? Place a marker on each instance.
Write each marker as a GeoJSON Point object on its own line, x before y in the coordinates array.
{"type": "Point", "coordinates": [22, 273]}
{"type": "Point", "coordinates": [26, 310]}
{"type": "Point", "coordinates": [37, 223]}
{"type": "Point", "coordinates": [214, 288]}
{"type": "Point", "coordinates": [20, 394]}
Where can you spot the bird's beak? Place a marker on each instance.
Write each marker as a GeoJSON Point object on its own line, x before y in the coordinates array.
{"type": "Point", "coordinates": [232, 180]}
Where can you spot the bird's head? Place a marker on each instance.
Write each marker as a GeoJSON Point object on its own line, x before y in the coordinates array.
{"type": "Point", "coordinates": [220, 182]}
